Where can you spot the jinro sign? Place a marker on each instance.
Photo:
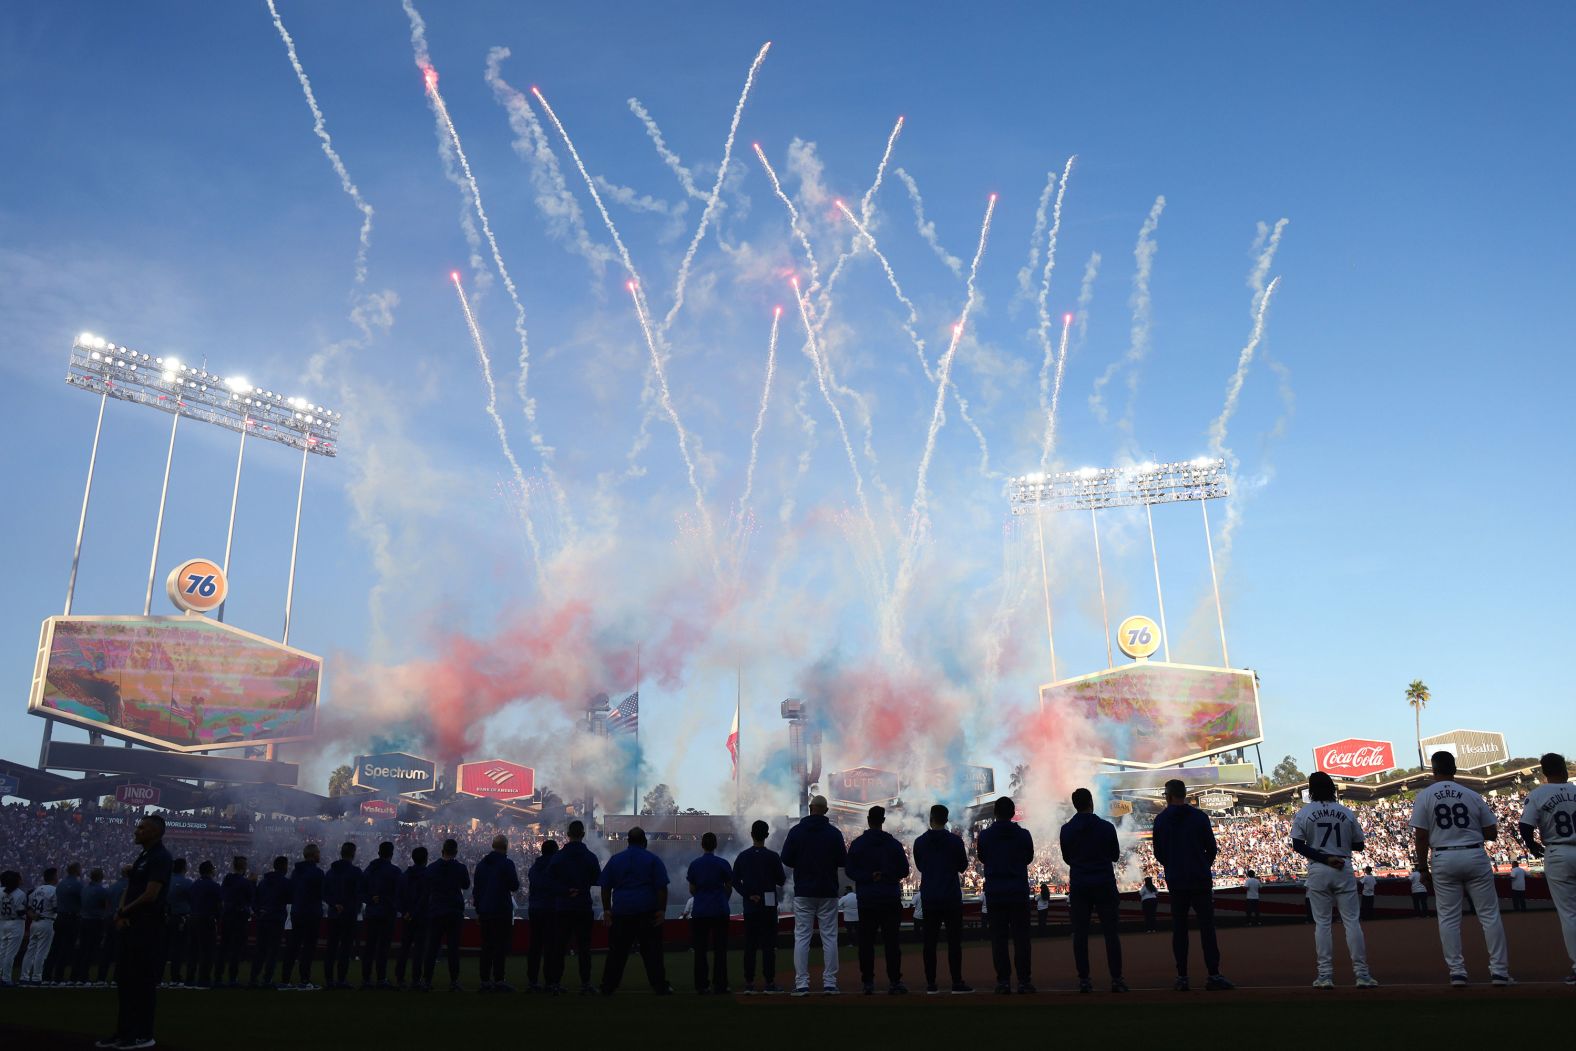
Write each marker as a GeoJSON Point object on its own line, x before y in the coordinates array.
{"type": "Point", "coordinates": [137, 795]}
{"type": "Point", "coordinates": [496, 779]}
{"type": "Point", "coordinates": [1354, 757]}
{"type": "Point", "coordinates": [1473, 749]}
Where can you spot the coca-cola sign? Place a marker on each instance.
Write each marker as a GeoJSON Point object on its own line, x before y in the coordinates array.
{"type": "Point", "coordinates": [1354, 758]}
{"type": "Point", "coordinates": [137, 795]}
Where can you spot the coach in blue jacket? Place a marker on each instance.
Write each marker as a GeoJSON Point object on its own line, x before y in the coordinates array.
{"type": "Point", "coordinates": [815, 851]}
{"type": "Point", "coordinates": [1184, 844]}
{"type": "Point", "coordinates": [758, 876]}
{"type": "Point", "coordinates": [342, 895]}
{"type": "Point", "coordinates": [711, 884]}
{"type": "Point", "coordinates": [539, 914]}
{"type": "Point", "coordinates": [306, 916]}
{"type": "Point", "coordinates": [271, 902]}
{"type": "Point", "coordinates": [1005, 850]}
{"type": "Point", "coordinates": [206, 902]}
{"type": "Point", "coordinates": [492, 893]}
{"type": "Point", "coordinates": [877, 863]}
{"type": "Point", "coordinates": [941, 857]}
{"type": "Point", "coordinates": [413, 920]}
{"type": "Point", "coordinates": [634, 901]}
{"type": "Point", "coordinates": [447, 882]}
{"type": "Point", "coordinates": [380, 887]}
{"type": "Point", "coordinates": [574, 870]}
{"type": "Point", "coordinates": [235, 912]}
{"type": "Point", "coordinates": [1090, 849]}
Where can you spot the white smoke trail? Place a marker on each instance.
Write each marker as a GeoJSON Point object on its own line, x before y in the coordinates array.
{"type": "Point", "coordinates": [1138, 343]}
{"type": "Point", "coordinates": [760, 417]}
{"type": "Point", "coordinates": [794, 225]}
{"type": "Point", "coordinates": [875, 186]}
{"type": "Point", "coordinates": [1042, 213]}
{"type": "Point", "coordinates": [1049, 442]}
{"type": "Point", "coordinates": [918, 511]}
{"type": "Point", "coordinates": [1266, 244]}
{"type": "Point", "coordinates": [682, 281]}
{"type": "Point", "coordinates": [1086, 295]}
{"type": "Point", "coordinates": [1217, 430]}
{"type": "Point", "coordinates": [671, 159]}
{"type": "Point", "coordinates": [634, 200]}
{"type": "Point", "coordinates": [492, 410]}
{"type": "Point", "coordinates": [320, 129]}
{"type": "Point", "coordinates": [1042, 301]}
{"type": "Point", "coordinates": [553, 198]}
{"type": "Point", "coordinates": [812, 349]}
{"type": "Point", "coordinates": [926, 228]}
{"type": "Point", "coordinates": [666, 395]}
{"type": "Point", "coordinates": [864, 217]}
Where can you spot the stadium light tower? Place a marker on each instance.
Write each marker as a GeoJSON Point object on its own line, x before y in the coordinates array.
{"type": "Point", "coordinates": [1100, 488]}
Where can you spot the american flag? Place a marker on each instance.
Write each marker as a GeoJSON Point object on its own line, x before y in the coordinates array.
{"type": "Point", "coordinates": [625, 718]}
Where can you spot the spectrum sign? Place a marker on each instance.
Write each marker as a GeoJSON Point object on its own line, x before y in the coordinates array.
{"type": "Point", "coordinates": [1354, 757]}
{"type": "Point", "coordinates": [395, 772]}
{"type": "Point", "coordinates": [496, 779]}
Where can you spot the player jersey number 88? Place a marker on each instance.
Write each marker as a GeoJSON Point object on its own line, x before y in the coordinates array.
{"type": "Point", "coordinates": [1452, 816]}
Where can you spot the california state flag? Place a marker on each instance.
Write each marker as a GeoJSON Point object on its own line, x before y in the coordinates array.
{"type": "Point", "coordinates": [733, 742]}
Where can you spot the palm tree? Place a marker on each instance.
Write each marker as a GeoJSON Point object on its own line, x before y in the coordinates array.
{"type": "Point", "coordinates": [1417, 697]}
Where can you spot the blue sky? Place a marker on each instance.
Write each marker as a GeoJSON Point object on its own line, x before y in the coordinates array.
{"type": "Point", "coordinates": [163, 188]}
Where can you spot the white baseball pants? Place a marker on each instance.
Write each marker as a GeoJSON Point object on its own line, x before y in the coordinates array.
{"type": "Point", "coordinates": [1330, 890]}
{"type": "Point", "coordinates": [808, 914]}
{"type": "Point", "coordinates": [10, 943]}
{"type": "Point", "coordinates": [1468, 871]}
{"type": "Point", "coordinates": [38, 943]}
{"type": "Point", "coordinates": [1559, 868]}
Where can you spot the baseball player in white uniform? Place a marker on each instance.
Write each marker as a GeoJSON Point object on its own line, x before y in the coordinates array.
{"type": "Point", "coordinates": [1326, 833]}
{"type": "Point", "coordinates": [41, 906]}
{"type": "Point", "coordinates": [1550, 814]}
{"type": "Point", "coordinates": [1450, 824]}
{"type": "Point", "coordinates": [13, 920]}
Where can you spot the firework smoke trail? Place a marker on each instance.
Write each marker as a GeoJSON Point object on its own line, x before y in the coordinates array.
{"type": "Point", "coordinates": [715, 195]}
{"type": "Point", "coordinates": [1086, 295]}
{"type": "Point", "coordinates": [1217, 430]}
{"type": "Point", "coordinates": [917, 515]}
{"type": "Point", "coordinates": [1049, 442]}
{"type": "Point", "coordinates": [671, 159]}
{"type": "Point", "coordinates": [320, 129]}
{"type": "Point", "coordinates": [875, 187]}
{"type": "Point", "coordinates": [760, 417]}
{"type": "Point", "coordinates": [1138, 344]}
{"type": "Point", "coordinates": [864, 216]}
{"type": "Point", "coordinates": [793, 218]}
{"type": "Point", "coordinates": [910, 326]}
{"type": "Point", "coordinates": [503, 433]}
{"type": "Point", "coordinates": [553, 198]}
{"type": "Point", "coordinates": [927, 229]}
{"type": "Point", "coordinates": [666, 396]}
{"type": "Point", "coordinates": [1269, 241]}
{"type": "Point", "coordinates": [813, 350]}
{"type": "Point", "coordinates": [1042, 307]}
{"type": "Point", "coordinates": [1042, 214]}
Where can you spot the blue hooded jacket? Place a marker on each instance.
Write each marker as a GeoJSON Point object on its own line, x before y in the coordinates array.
{"type": "Point", "coordinates": [380, 887]}
{"type": "Point", "coordinates": [342, 888]}
{"type": "Point", "coordinates": [1006, 850]}
{"type": "Point", "coordinates": [68, 896]}
{"type": "Point", "coordinates": [875, 850]}
{"type": "Point", "coordinates": [179, 898]}
{"type": "Point", "coordinates": [273, 894]}
{"type": "Point", "coordinates": [940, 857]}
{"type": "Point", "coordinates": [574, 871]}
{"type": "Point", "coordinates": [815, 851]}
{"type": "Point", "coordinates": [1090, 848]}
{"type": "Point", "coordinates": [494, 884]}
{"type": "Point", "coordinates": [306, 891]}
{"type": "Point", "coordinates": [447, 881]}
{"type": "Point", "coordinates": [235, 894]}
{"type": "Point", "coordinates": [540, 892]}
{"type": "Point", "coordinates": [712, 878]}
{"type": "Point", "coordinates": [413, 891]}
{"type": "Point", "coordinates": [1184, 845]}
{"type": "Point", "coordinates": [205, 898]}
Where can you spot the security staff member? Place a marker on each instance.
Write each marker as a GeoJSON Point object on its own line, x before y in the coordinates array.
{"type": "Point", "coordinates": [271, 901]}
{"type": "Point", "coordinates": [139, 923]}
{"type": "Point", "coordinates": [178, 915]}
{"type": "Point", "coordinates": [96, 911]}
{"type": "Point", "coordinates": [758, 876]}
{"type": "Point", "coordinates": [539, 914]}
{"type": "Point", "coordinates": [235, 912]}
{"type": "Point", "coordinates": [711, 882]}
{"type": "Point", "coordinates": [204, 929]}
{"type": "Point", "coordinates": [1090, 849]}
{"type": "Point", "coordinates": [1005, 850]}
{"type": "Point", "coordinates": [447, 882]}
{"type": "Point", "coordinates": [877, 863]}
{"type": "Point", "coordinates": [342, 896]}
{"type": "Point", "coordinates": [381, 885]}
{"type": "Point", "coordinates": [493, 895]}
{"type": "Point", "coordinates": [1184, 844]}
{"type": "Point", "coordinates": [574, 870]}
{"type": "Point", "coordinates": [306, 918]}
{"type": "Point", "coordinates": [413, 920]}
{"type": "Point", "coordinates": [941, 857]}
{"type": "Point", "coordinates": [634, 901]}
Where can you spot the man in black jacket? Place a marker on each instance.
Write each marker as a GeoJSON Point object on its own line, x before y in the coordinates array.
{"type": "Point", "coordinates": [573, 871]}
{"type": "Point", "coordinates": [941, 857]}
{"type": "Point", "coordinates": [1005, 850]}
{"type": "Point", "coordinates": [877, 863]}
{"type": "Point", "coordinates": [235, 912]}
{"type": "Point", "coordinates": [447, 882]}
{"type": "Point", "coordinates": [759, 877]}
{"type": "Point", "coordinates": [380, 882]}
{"type": "Point", "coordinates": [539, 914]}
{"type": "Point", "coordinates": [494, 884]}
{"type": "Point", "coordinates": [1090, 849]}
{"type": "Point", "coordinates": [271, 901]}
{"type": "Point", "coordinates": [413, 921]}
{"type": "Point", "coordinates": [342, 895]}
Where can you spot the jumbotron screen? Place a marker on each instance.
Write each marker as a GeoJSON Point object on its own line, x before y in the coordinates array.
{"type": "Point", "coordinates": [187, 683]}
{"type": "Point", "coordinates": [1160, 714]}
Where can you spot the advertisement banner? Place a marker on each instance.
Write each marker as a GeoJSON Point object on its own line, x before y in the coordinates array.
{"type": "Point", "coordinates": [1216, 801]}
{"type": "Point", "coordinates": [862, 784]}
{"type": "Point", "coordinates": [1473, 749]}
{"type": "Point", "coordinates": [9, 786]}
{"type": "Point", "coordinates": [1354, 757]}
{"type": "Point", "coordinates": [137, 795]}
{"type": "Point", "coordinates": [378, 808]}
{"type": "Point", "coordinates": [962, 780]}
{"type": "Point", "coordinates": [185, 683]}
{"type": "Point", "coordinates": [395, 772]}
{"type": "Point", "coordinates": [1149, 715]}
{"type": "Point", "coordinates": [496, 779]}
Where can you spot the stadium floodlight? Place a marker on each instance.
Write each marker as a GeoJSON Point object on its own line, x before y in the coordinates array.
{"type": "Point", "coordinates": [232, 402]}
{"type": "Point", "coordinates": [1098, 488]}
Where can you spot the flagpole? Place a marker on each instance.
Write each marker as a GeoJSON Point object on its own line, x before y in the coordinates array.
{"type": "Point", "coordinates": [634, 801]}
{"type": "Point", "coordinates": [738, 743]}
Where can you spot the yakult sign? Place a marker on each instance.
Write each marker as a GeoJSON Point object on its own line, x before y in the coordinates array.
{"type": "Point", "coordinates": [1354, 758]}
